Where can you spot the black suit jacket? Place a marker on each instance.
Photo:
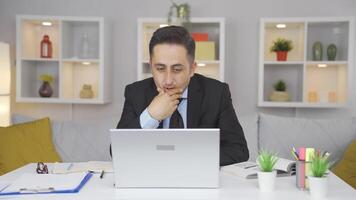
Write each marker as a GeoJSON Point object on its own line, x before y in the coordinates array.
{"type": "Point", "coordinates": [209, 106]}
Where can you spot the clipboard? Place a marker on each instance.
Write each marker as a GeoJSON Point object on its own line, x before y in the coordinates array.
{"type": "Point", "coordinates": [75, 184]}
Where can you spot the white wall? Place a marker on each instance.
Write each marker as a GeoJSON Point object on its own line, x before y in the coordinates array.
{"type": "Point", "coordinates": [242, 33]}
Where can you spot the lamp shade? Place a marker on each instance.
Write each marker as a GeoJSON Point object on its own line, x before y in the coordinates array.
{"type": "Point", "coordinates": [5, 79]}
{"type": "Point", "coordinates": [5, 76]}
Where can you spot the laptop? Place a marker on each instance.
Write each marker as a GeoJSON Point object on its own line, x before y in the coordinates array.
{"type": "Point", "coordinates": [166, 158]}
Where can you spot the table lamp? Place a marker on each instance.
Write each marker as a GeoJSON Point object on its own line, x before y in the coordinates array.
{"type": "Point", "coordinates": [5, 78]}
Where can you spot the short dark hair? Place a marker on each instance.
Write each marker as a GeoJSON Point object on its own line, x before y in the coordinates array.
{"type": "Point", "coordinates": [173, 35]}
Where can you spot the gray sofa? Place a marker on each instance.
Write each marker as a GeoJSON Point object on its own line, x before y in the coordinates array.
{"type": "Point", "coordinates": [90, 140]}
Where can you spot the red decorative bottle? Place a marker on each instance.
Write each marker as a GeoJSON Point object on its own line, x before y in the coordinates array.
{"type": "Point", "coordinates": [46, 47]}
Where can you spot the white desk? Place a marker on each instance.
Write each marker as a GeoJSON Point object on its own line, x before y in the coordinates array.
{"type": "Point", "coordinates": [231, 188]}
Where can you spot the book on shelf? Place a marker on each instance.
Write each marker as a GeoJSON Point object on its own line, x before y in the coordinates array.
{"type": "Point", "coordinates": [249, 169]}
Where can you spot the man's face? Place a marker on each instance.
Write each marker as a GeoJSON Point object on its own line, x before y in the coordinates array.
{"type": "Point", "coordinates": [170, 67]}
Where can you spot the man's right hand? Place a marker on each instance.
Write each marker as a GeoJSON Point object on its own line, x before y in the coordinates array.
{"type": "Point", "coordinates": [164, 104]}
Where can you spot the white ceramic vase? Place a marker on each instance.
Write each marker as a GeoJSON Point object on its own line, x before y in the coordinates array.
{"type": "Point", "coordinates": [318, 186]}
{"type": "Point", "coordinates": [267, 180]}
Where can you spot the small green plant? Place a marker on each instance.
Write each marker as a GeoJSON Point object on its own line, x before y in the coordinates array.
{"type": "Point", "coordinates": [266, 160]}
{"type": "Point", "coordinates": [319, 165]}
{"type": "Point", "coordinates": [282, 44]}
{"type": "Point", "coordinates": [280, 86]}
{"type": "Point", "coordinates": [46, 78]}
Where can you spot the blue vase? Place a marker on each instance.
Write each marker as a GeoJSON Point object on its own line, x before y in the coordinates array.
{"type": "Point", "coordinates": [317, 51]}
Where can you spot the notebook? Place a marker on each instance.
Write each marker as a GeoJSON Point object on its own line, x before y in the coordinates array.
{"type": "Point", "coordinates": [165, 158]}
{"type": "Point", "coordinates": [249, 169]}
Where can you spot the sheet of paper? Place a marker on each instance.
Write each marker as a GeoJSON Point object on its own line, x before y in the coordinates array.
{"type": "Point", "coordinates": [40, 182]}
{"type": "Point", "coordinates": [93, 166]}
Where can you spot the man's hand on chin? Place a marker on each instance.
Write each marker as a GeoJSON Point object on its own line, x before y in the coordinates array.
{"type": "Point", "coordinates": [165, 103]}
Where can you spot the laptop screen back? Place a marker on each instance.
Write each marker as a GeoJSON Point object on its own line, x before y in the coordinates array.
{"type": "Point", "coordinates": [182, 158]}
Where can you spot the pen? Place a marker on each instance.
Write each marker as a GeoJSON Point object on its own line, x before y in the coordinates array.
{"type": "Point", "coordinates": [69, 166]}
{"type": "Point", "coordinates": [251, 166]}
{"type": "Point", "coordinates": [102, 174]}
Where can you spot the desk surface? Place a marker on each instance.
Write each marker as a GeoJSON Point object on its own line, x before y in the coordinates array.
{"type": "Point", "coordinates": [231, 188]}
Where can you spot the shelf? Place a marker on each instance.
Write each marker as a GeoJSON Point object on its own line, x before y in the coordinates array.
{"type": "Point", "coordinates": [301, 105]}
{"type": "Point", "coordinates": [283, 62]}
{"type": "Point", "coordinates": [32, 32]}
{"type": "Point", "coordinates": [80, 39]}
{"type": "Point", "coordinates": [326, 84]}
{"type": "Point", "coordinates": [328, 33]}
{"type": "Point", "coordinates": [71, 66]}
{"type": "Point", "coordinates": [294, 31]}
{"type": "Point", "coordinates": [310, 83]}
{"type": "Point", "coordinates": [30, 77]}
{"type": "Point", "coordinates": [75, 75]}
{"type": "Point", "coordinates": [292, 75]}
{"type": "Point", "coordinates": [215, 29]}
{"type": "Point", "coordinates": [40, 59]}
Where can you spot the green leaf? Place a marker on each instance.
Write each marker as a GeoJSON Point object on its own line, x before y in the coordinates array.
{"type": "Point", "coordinates": [267, 160]}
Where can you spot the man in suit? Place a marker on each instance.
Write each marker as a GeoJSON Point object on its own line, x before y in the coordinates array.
{"type": "Point", "coordinates": [176, 97]}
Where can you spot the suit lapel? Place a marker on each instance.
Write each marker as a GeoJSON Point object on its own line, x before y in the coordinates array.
{"type": "Point", "coordinates": [195, 97]}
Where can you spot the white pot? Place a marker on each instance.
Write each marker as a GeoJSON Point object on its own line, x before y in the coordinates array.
{"type": "Point", "coordinates": [318, 186]}
{"type": "Point", "coordinates": [266, 180]}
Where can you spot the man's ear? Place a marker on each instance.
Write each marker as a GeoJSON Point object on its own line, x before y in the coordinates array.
{"type": "Point", "coordinates": [193, 68]}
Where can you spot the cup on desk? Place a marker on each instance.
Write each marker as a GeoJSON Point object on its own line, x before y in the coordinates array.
{"type": "Point", "coordinates": [301, 175]}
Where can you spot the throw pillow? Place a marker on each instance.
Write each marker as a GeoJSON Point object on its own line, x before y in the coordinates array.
{"type": "Point", "coordinates": [346, 168]}
{"type": "Point", "coordinates": [25, 143]}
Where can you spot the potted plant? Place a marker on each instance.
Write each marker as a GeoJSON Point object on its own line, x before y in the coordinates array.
{"type": "Point", "coordinates": [267, 176]}
{"type": "Point", "coordinates": [281, 46]}
{"type": "Point", "coordinates": [46, 89]}
{"type": "Point", "coordinates": [318, 181]}
{"type": "Point", "coordinates": [280, 92]}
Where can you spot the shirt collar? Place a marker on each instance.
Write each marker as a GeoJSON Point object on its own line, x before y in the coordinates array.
{"type": "Point", "coordinates": [185, 93]}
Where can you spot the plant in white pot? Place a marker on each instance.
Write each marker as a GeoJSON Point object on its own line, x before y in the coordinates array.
{"type": "Point", "coordinates": [318, 182]}
{"type": "Point", "coordinates": [267, 176]}
{"type": "Point", "coordinates": [280, 92]}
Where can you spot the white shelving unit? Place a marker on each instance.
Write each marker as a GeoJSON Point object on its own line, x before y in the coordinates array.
{"type": "Point", "coordinates": [215, 27]}
{"type": "Point", "coordinates": [68, 66]}
{"type": "Point", "coordinates": [309, 83]}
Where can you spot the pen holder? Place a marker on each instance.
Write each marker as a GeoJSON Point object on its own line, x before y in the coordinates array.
{"type": "Point", "coordinates": [302, 173]}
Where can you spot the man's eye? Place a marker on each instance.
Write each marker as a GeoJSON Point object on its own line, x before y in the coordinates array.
{"type": "Point", "coordinates": [160, 68]}
{"type": "Point", "coordinates": [177, 69]}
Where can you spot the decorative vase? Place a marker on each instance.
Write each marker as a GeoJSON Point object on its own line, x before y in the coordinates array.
{"type": "Point", "coordinates": [86, 92]}
{"type": "Point", "coordinates": [84, 46]}
{"type": "Point", "coordinates": [46, 47]}
{"type": "Point", "coordinates": [45, 89]}
{"type": "Point", "coordinates": [279, 96]}
{"type": "Point", "coordinates": [266, 180]}
{"type": "Point", "coordinates": [282, 55]}
{"type": "Point", "coordinates": [317, 51]}
{"type": "Point", "coordinates": [331, 52]}
{"type": "Point", "coordinates": [318, 186]}
{"type": "Point", "coordinates": [182, 13]}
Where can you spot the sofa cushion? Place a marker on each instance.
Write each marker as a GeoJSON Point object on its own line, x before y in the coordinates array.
{"type": "Point", "coordinates": [249, 125]}
{"type": "Point", "coordinates": [77, 141]}
{"type": "Point", "coordinates": [25, 143]}
{"type": "Point", "coordinates": [280, 134]}
{"type": "Point", "coordinates": [346, 168]}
